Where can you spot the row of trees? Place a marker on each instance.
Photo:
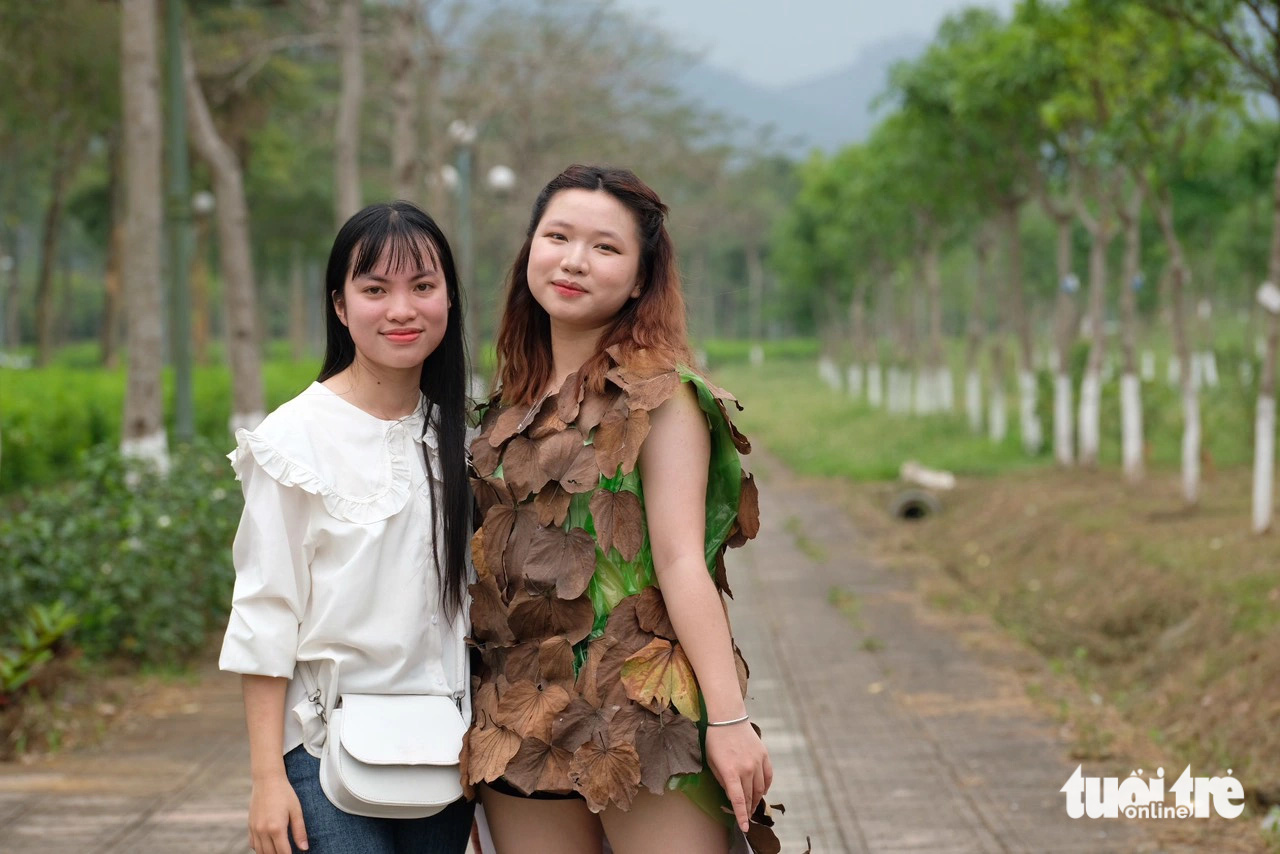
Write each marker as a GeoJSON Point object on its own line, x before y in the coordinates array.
{"type": "Point", "coordinates": [1146, 122]}
{"type": "Point", "coordinates": [296, 115]}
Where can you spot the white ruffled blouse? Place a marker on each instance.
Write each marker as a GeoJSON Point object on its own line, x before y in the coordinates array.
{"type": "Point", "coordinates": [334, 563]}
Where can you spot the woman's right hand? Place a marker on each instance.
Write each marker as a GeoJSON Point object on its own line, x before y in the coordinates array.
{"type": "Point", "coordinates": [274, 810]}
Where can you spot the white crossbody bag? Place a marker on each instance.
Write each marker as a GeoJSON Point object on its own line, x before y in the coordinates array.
{"type": "Point", "coordinates": [391, 755]}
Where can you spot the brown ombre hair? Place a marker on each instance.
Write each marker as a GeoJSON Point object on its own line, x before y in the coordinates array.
{"type": "Point", "coordinates": [649, 329]}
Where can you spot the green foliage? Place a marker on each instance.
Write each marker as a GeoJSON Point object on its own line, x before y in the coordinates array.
{"type": "Point", "coordinates": [49, 417]}
{"type": "Point", "coordinates": [37, 638]}
{"type": "Point", "coordinates": [143, 562]}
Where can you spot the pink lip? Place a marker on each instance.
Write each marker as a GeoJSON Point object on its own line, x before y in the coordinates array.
{"type": "Point", "coordinates": [567, 289]}
{"type": "Point", "coordinates": [403, 336]}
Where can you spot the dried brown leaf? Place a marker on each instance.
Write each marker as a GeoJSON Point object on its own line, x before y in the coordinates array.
{"type": "Point", "coordinates": [539, 767]}
{"type": "Point", "coordinates": [549, 662]}
{"type": "Point", "coordinates": [517, 553]}
{"type": "Point", "coordinates": [739, 441]}
{"type": "Point", "coordinates": [489, 749]}
{"type": "Point", "coordinates": [552, 504]}
{"type": "Point", "coordinates": [498, 523]}
{"type": "Point", "coordinates": [565, 558]}
{"type": "Point", "coordinates": [604, 772]}
{"type": "Point", "coordinates": [569, 398]}
{"type": "Point", "coordinates": [661, 672]}
{"type": "Point", "coordinates": [586, 681]}
{"type": "Point", "coordinates": [564, 458]}
{"type": "Point", "coordinates": [511, 421]}
{"type": "Point", "coordinates": [484, 457]}
{"type": "Point", "coordinates": [617, 441]}
{"type": "Point", "coordinates": [520, 468]}
{"type": "Point", "coordinates": [619, 522]}
{"type": "Point", "coordinates": [651, 613]}
{"type": "Point", "coordinates": [537, 613]}
{"type": "Point", "coordinates": [579, 722]}
{"type": "Point", "coordinates": [668, 745]}
{"type": "Point", "coordinates": [593, 409]}
{"type": "Point", "coordinates": [530, 708]}
{"type": "Point", "coordinates": [645, 391]}
{"type": "Point", "coordinates": [749, 508]}
{"type": "Point", "coordinates": [489, 492]}
{"type": "Point", "coordinates": [489, 623]}
{"type": "Point", "coordinates": [722, 574]}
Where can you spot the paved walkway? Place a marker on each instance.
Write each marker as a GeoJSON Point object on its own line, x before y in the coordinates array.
{"type": "Point", "coordinates": [905, 744]}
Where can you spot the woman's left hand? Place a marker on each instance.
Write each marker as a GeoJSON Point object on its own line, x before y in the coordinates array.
{"type": "Point", "coordinates": [740, 762]}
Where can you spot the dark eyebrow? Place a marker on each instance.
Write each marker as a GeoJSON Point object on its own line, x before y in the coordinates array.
{"type": "Point", "coordinates": [421, 274]}
{"type": "Point", "coordinates": [603, 232]}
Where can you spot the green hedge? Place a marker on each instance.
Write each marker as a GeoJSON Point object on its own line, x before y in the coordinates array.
{"type": "Point", "coordinates": [50, 417]}
{"type": "Point", "coordinates": [143, 561]}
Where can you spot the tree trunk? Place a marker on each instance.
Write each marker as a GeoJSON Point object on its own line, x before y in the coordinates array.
{"type": "Point", "coordinates": [143, 434]}
{"type": "Point", "coordinates": [12, 328]}
{"type": "Point", "coordinates": [1130, 383]}
{"type": "Point", "coordinates": [1264, 434]}
{"type": "Point", "coordinates": [66, 161]}
{"type": "Point", "coordinates": [1178, 275]}
{"type": "Point", "coordinates": [201, 327]}
{"type": "Point", "coordinates": [109, 332]}
{"type": "Point", "coordinates": [1067, 325]}
{"type": "Point", "coordinates": [242, 340]}
{"type": "Point", "coordinates": [346, 147]}
{"type": "Point", "coordinates": [856, 374]}
{"type": "Point", "coordinates": [977, 332]}
{"type": "Point", "coordinates": [1020, 320]}
{"type": "Point", "coordinates": [755, 291]}
{"type": "Point", "coordinates": [1101, 233]}
{"type": "Point", "coordinates": [405, 181]}
{"type": "Point", "coordinates": [297, 306]}
{"type": "Point", "coordinates": [941, 394]}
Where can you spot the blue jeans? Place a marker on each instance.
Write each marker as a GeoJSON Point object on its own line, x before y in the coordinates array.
{"type": "Point", "coordinates": [332, 831]}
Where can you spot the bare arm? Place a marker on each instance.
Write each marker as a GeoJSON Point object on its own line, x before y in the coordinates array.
{"type": "Point", "coordinates": [673, 467]}
{"type": "Point", "coordinates": [273, 806]}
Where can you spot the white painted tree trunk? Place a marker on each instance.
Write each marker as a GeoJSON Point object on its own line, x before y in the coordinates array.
{"type": "Point", "coordinates": [946, 390]}
{"type": "Point", "coordinates": [142, 433]}
{"type": "Point", "coordinates": [829, 373]}
{"type": "Point", "coordinates": [243, 339]}
{"type": "Point", "coordinates": [757, 356]}
{"type": "Point", "coordinates": [854, 380]}
{"type": "Point", "coordinates": [922, 392]}
{"type": "Point", "coordinates": [1264, 462]}
{"type": "Point", "coordinates": [1208, 368]}
{"type": "Point", "coordinates": [1028, 420]}
{"type": "Point", "coordinates": [1090, 407]}
{"type": "Point", "coordinates": [973, 400]}
{"type": "Point", "coordinates": [1191, 443]}
{"type": "Point", "coordinates": [998, 419]}
{"type": "Point", "coordinates": [1148, 366]}
{"type": "Point", "coordinates": [875, 387]}
{"type": "Point", "coordinates": [346, 143]}
{"type": "Point", "coordinates": [1175, 371]}
{"type": "Point", "coordinates": [1064, 444]}
{"type": "Point", "coordinates": [1131, 426]}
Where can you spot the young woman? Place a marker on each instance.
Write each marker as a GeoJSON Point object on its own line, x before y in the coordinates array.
{"type": "Point", "coordinates": [611, 696]}
{"type": "Point", "coordinates": [351, 553]}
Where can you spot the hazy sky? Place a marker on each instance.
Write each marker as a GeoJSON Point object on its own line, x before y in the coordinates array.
{"type": "Point", "coordinates": [775, 42]}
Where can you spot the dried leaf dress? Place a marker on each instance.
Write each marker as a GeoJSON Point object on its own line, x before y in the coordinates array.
{"type": "Point", "coordinates": [584, 686]}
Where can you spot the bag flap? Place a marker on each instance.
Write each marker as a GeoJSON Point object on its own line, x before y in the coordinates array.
{"type": "Point", "coordinates": [401, 729]}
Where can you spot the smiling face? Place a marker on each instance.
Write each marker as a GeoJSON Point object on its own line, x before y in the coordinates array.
{"type": "Point", "coordinates": [397, 313]}
{"type": "Point", "coordinates": [583, 259]}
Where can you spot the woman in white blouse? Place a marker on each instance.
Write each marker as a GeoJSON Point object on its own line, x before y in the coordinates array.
{"type": "Point", "coordinates": [351, 554]}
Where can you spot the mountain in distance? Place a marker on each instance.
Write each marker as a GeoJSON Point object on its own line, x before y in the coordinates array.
{"type": "Point", "coordinates": [826, 112]}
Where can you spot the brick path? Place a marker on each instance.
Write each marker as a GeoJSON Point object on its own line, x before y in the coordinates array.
{"type": "Point", "coordinates": [915, 747]}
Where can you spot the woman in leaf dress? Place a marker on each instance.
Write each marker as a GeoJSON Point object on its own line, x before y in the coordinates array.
{"type": "Point", "coordinates": [610, 699]}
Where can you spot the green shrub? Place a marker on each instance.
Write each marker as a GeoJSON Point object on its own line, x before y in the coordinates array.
{"type": "Point", "coordinates": [146, 567]}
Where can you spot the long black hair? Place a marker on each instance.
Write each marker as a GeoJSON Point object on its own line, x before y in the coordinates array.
{"type": "Point", "coordinates": [404, 231]}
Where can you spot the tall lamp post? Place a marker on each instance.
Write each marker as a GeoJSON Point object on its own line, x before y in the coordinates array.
{"type": "Point", "coordinates": [463, 135]}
